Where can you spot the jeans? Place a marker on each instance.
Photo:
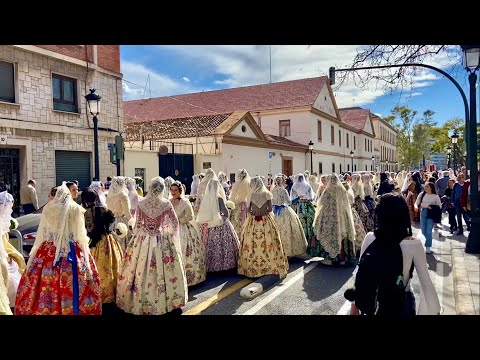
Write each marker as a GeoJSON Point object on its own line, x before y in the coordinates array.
{"type": "Point", "coordinates": [28, 209]}
{"type": "Point", "coordinates": [427, 227]}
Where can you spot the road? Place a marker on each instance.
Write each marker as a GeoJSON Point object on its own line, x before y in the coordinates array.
{"type": "Point", "coordinates": [310, 288]}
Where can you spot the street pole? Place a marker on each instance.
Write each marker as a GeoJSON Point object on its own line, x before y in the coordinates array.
{"type": "Point", "coordinates": [473, 242]}
{"type": "Point", "coordinates": [95, 145]}
{"type": "Point", "coordinates": [311, 161]}
{"type": "Point", "coordinates": [352, 163]}
{"type": "Point", "coordinates": [455, 159]}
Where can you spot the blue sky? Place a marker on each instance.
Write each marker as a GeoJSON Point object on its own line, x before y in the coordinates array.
{"type": "Point", "coordinates": [179, 69]}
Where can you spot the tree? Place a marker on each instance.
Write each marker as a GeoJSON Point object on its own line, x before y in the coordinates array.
{"type": "Point", "coordinates": [413, 134]}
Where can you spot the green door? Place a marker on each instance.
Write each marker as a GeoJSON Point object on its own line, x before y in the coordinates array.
{"type": "Point", "coordinates": [73, 165]}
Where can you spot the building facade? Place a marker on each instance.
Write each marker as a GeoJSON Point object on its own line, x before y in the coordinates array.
{"type": "Point", "coordinates": [385, 145]}
{"type": "Point", "coordinates": [46, 130]}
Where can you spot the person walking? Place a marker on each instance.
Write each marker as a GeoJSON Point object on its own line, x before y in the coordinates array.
{"type": "Point", "coordinates": [28, 197]}
{"type": "Point", "coordinates": [426, 199]}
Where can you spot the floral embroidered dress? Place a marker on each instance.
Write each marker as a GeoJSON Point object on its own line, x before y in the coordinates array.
{"type": "Point", "coordinates": [238, 196]}
{"type": "Point", "coordinates": [359, 204]}
{"type": "Point", "coordinates": [359, 229]}
{"type": "Point", "coordinates": [4, 301]}
{"type": "Point", "coordinates": [261, 250]}
{"type": "Point", "coordinates": [61, 276]}
{"type": "Point", "coordinates": [221, 240]}
{"type": "Point", "coordinates": [105, 249]}
{"type": "Point", "coordinates": [118, 202]}
{"type": "Point", "coordinates": [301, 197]}
{"type": "Point", "coordinates": [193, 248]}
{"type": "Point", "coordinates": [289, 226]}
{"type": "Point", "coordinates": [152, 281]}
{"type": "Point", "coordinates": [334, 226]}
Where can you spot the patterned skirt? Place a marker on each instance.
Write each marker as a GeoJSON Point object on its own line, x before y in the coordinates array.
{"type": "Point", "coordinates": [364, 214]}
{"type": "Point", "coordinates": [152, 280]}
{"type": "Point", "coordinates": [108, 256]}
{"type": "Point", "coordinates": [291, 231]}
{"type": "Point", "coordinates": [4, 302]}
{"type": "Point", "coordinates": [222, 246]}
{"type": "Point", "coordinates": [261, 250]}
{"type": "Point", "coordinates": [66, 288]}
{"type": "Point", "coordinates": [238, 217]}
{"type": "Point", "coordinates": [14, 277]}
{"type": "Point", "coordinates": [306, 213]}
{"type": "Point", "coordinates": [193, 254]}
{"type": "Point", "coordinates": [359, 230]}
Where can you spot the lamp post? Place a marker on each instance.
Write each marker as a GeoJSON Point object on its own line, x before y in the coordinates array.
{"type": "Point", "coordinates": [310, 147]}
{"type": "Point", "coordinates": [351, 155]}
{"type": "Point", "coordinates": [386, 164]}
{"type": "Point", "coordinates": [449, 152]}
{"type": "Point", "coordinates": [454, 142]}
{"type": "Point", "coordinates": [373, 163]}
{"type": "Point", "coordinates": [93, 101]}
{"type": "Point", "coordinates": [472, 64]}
{"type": "Point", "coordinates": [396, 166]}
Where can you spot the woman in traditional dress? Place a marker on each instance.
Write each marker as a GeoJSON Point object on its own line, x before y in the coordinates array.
{"type": "Point", "coordinates": [193, 248]}
{"type": "Point", "coordinates": [194, 186]}
{"type": "Point", "coordinates": [4, 301]}
{"type": "Point", "coordinates": [369, 194]}
{"type": "Point", "coordinates": [291, 231]}
{"type": "Point", "coordinates": [217, 230]}
{"type": "Point", "coordinates": [15, 261]}
{"type": "Point", "coordinates": [359, 228]}
{"type": "Point", "coordinates": [314, 184]}
{"type": "Point", "coordinates": [118, 202]}
{"type": "Point", "coordinates": [105, 249]}
{"type": "Point", "coordinates": [334, 226]}
{"type": "Point", "coordinates": [168, 182]}
{"type": "Point", "coordinates": [322, 187]}
{"type": "Point", "coordinates": [302, 196]}
{"type": "Point", "coordinates": [238, 196]}
{"type": "Point", "coordinates": [152, 281]}
{"type": "Point", "coordinates": [61, 276]}
{"type": "Point", "coordinates": [132, 195]}
{"type": "Point", "coordinates": [209, 175]}
{"type": "Point", "coordinates": [261, 250]}
{"type": "Point", "coordinates": [99, 189]}
{"type": "Point", "coordinates": [222, 177]}
{"type": "Point", "coordinates": [359, 205]}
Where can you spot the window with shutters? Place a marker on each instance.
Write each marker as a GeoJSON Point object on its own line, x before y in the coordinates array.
{"type": "Point", "coordinates": [7, 82]}
{"type": "Point", "coordinates": [284, 126]}
{"type": "Point", "coordinates": [64, 93]}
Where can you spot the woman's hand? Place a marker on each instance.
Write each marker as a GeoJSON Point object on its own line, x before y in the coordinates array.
{"type": "Point", "coordinates": [354, 310]}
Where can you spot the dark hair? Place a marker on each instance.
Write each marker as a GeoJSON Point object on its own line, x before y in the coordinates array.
{"type": "Point", "coordinates": [109, 178]}
{"type": "Point", "coordinates": [392, 219]}
{"type": "Point", "coordinates": [432, 180]}
{"type": "Point", "coordinates": [53, 191]}
{"type": "Point", "coordinates": [178, 184]}
{"type": "Point", "coordinates": [69, 184]}
{"type": "Point", "coordinates": [31, 181]}
{"type": "Point", "coordinates": [88, 197]}
{"type": "Point", "coordinates": [432, 187]}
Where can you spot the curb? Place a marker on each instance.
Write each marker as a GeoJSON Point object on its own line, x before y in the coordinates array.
{"type": "Point", "coordinates": [464, 304]}
{"type": "Point", "coordinates": [257, 287]}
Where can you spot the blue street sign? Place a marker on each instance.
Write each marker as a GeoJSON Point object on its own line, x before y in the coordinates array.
{"type": "Point", "coordinates": [270, 155]}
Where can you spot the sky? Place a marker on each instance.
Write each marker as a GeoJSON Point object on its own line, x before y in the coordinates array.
{"type": "Point", "coordinates": [163, 70]}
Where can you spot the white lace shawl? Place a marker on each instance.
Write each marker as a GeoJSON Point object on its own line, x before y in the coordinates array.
{"type": "Point", "coordinates": [209, 212]}
{"type": "Point", "coordinates": [367, 186]}
{"type": "Point", "coordinates": [6, 209]}
{"type": "Point", "coordinates": [406, 182]}
{"type": "Point", "coordinates": [62, 221]}
{"type": "Point", "coordinates": [357, 186]}
{"type": "Point", "coordinates": [194, 186]}
{"type": "Point", "coordinates": [280, 196]}
{"type": "Point", "coordinates": [259, 194]}
{"type": "Point", "coordinates": [301, 188]}
{"type": "Point", "coordinates": [168, 182]}
{"type": "Point", "coordinates": [96, 187]}
{"type": "Point", "coordinates": [241, 187]}
{"type": "Point", "coordinates": [209, 175]}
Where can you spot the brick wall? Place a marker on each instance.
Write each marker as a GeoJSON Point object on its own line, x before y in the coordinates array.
{"type": "Point", "coordinates": [108, 57]}
{"type": "Point", "coordinates": [76, 51]}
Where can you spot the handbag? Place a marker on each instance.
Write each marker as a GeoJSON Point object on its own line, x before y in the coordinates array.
{"type": "Point", "coordinates": [409, 306]}
{"type": "Point", "coordinates": [435, 213]}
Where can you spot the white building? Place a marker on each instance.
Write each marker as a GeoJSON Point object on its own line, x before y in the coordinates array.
{"type": "Point", "coordinates": [386, 155]}
{"type": "Point", "coordinates": [44, 129]}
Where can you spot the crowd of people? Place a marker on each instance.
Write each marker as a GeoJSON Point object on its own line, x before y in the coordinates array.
{"type": "Point", "coordinates": [122, 250]}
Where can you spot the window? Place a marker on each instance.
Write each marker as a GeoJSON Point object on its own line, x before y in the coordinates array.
{"type": "Point", "coordinates": [355, 167]}
{"type": "Point", "coordinates": [332, 134]}
{"type": "Point", "coordinates": [348, 141]}
{"type": "Point", "coordinates": [64, 93]}
{"type": "Point", "coordinates": [366, 169]}
{"type": "Point", "coordinates": [354, 143]}
{"type": "Point", "coordinates": [339, 140]}
{"type": "Point", "coordinates": [320, 168]}
{"type": "Point", "coordinates": [333, 167]}
{"type": "Point", "coordinates": [206, 165]}
{"type": "Point", "coordinates": [340, 168]}
{"type": "Point", "coordinates": [244, 128]}
{"type": "Point", "coordinates": [319, 130]}
{"type": "Point", "coordinates": [365, 144]}
{"type": "Point", "coordinates": [7, 82]}
{"type": "Point", "coordinates": [348, 167]}
{"type": "Point", "coordinates": [284, 127]}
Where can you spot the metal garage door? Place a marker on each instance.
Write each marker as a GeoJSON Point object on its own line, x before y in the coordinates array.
{"type": "Point", "coordinates": [73, 165]}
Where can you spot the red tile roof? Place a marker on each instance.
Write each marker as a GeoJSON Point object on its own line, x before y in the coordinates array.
{"type": "Point", "coordinates": [294, 93]}
{"type": "Point", "coordinates": [283, 141]}
{"type": "Point", "coordinates": [355, 117]}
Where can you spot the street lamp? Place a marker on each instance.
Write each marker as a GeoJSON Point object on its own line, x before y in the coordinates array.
{"type": "Point", "coordinates": [310, 147]}
{"type": "Point", "coordinates": [93, 101]}
{"type": "Point", "coordinates": [386, 164]}
{"type": "Point", "coordinates": [351, 155]}
{"type": "Point", "coordinates": [373, 163]}
{"type": "Point", "coordinates": [454, 142]}
{"type": "Point", "coordinates": [396, 166]}
{"type": "Point", "coordinates": [472, 64]}
{"type": "Point", "coordinates": [449, 152]}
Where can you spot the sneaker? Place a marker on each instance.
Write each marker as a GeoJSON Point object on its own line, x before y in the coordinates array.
{"type": "Point", "coordinates": [427, 250]}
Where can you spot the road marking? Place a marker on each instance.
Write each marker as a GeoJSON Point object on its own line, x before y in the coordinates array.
{"type": "Point", "coordinates": [279, 290]}
{"type": "Point", "coordinates": [217, 297]}
{"type": "Point", "coordinates": [345, 309]}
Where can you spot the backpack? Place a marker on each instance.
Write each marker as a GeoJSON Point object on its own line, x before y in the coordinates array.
{"type": "Point", "coordinates": [379, 288]}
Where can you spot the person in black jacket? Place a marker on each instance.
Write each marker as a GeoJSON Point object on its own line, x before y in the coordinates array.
{"type": "Point", "coordinates": [385, 186]}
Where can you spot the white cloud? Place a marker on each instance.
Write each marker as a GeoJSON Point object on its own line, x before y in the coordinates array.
{"type": "Point", "coordinates": [186, 79]}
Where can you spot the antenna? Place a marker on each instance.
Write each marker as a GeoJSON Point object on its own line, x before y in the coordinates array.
{"type": "Point", "coordinates": [270, 48]}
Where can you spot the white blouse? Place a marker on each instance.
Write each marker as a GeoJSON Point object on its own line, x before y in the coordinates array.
{"type": "Point", "coordinates": [413, 250]}
{"type": "Point", "coordinates": [428, 199]}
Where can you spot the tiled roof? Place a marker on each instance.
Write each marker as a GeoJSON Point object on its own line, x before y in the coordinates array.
{"type": "Point", "coordinates": [355, 117]}
{"type": "Point", "coordinates": [283, 141]}
{"type": "Point", "coordinates": [174, 128]}
{"type": "Point", "coordinates": [286, 94]}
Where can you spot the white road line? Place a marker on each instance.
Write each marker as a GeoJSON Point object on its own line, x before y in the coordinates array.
{"type": "Point", "coordinates": [345, 309]}
{"type": "Point", "coordinates": [281, 289]}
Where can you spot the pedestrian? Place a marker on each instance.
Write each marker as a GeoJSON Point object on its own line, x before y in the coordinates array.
{"type": "Point", "coordinates": [216, 229]}
{"type": "Point", "coordinates": [138, 186]}
{"type": "Point", "coordinates": [152, 280]}
{"type": "Point", "coordinates": [193, 248]}
{"type": "Point", "coordinates": [359, 204]}
{"type": "Point", "coordinates": [61, 276]}
{"type": "Point", "coordinates": [73, 187]}
{"type": "Point", "coordinates": [442, 184]}
{"type": "Point", "coordinates": [457, 202]}
{"type": "Point", "coordinates": [238, 195]}
{"type": "Point", "coordinates": [425, 201]}
{"type": "Point", "coordinates": [51, 194]}
{"type": "Point", "coordinates": [119, 203]}
{"type": "Point", "coordinates": [385, 185]}
{"type": "Point", "coordinates": [108, 183]}
{"type": "Point", "coordinates": [359, 228]}
{"type": "Point", "coordinates": [194, 185]}
{"type": "Point", "coordinates": [132, 195]}
{"type": "Point", "coordinates": [222, 177]}
{"type": "Point", "coordinates": [28, 197]}
{"type": "Point", "coordinates": [105, 249]}
{"type": "Point", "coordinates": [411, 199]}
{"type": "Point", "coordinates": [393, 228]}
{"type": "Point", "coordinates": [99, 189]}
{"type": "Point", "coordinates": [322, 187]}
{"type": "Point", "coordinates": [291, 231]}
{"type": "Point", "coordinates": [209, 174]}
{"type": "Point", "coordinates": [302, 203]}
{"type": "Point", "coordinates": [451, 206]}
